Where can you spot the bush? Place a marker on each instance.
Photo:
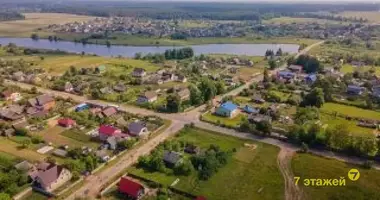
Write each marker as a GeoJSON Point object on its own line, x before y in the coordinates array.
{"type": "Point", "coordinates": [21, 132]}
{"type": "Point", "coordinates": [368, 164]}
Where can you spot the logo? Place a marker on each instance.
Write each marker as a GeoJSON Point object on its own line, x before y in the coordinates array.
{"type": "Point", "coordinates": [353, 174]}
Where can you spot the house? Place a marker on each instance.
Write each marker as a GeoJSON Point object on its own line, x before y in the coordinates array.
{"type": "Point", "coordinates": [227, 109]}
{"type": "Point", "coordinates": [181, 78]}
{"type": "Point", "coordinates": [120, 87]}
{"type": "Point", "coordinates": [138, 72]}
{"type": "Point", "coordinates": [68, 87]}
{"type": "Point", "coordinates": [168, 76]}
{"type": "Point", "coordinates": [310, 79]}
{"type": "Point", "coordinates": [200, 198]}
{"type": "Point", "coordinates": [184, 94]}
{"type": "Point", "coordinates": [23, 166]}
{"type": "Point", "coordinates": [172, 158]}
{"type": "Point", "coordinates": [355, 90]}
{"type": "Point", "coordinates": [66, 122]}
{"type": "Point", "coordinates": [9, 132]}
{"type": "Point", "coordinates": [137, 129]}
{"type": "Point", "coordinates": [258, 99]}
{"type": "Point", "coordinates": [287, 75]}
{"type": "Point", "coordinates": [131, 188]}
{"type": "Point", "coordinates": [20, 124]}
{"type": "Point", "coordinates": [102, 155]}
{"type": "Point", "coordinates": [192, 149]}
{"type": "Point", "coordinates": [250, 110]}
{"type": "Point", "coordinates": [147, 97]}
{"type": "Point", "coordinates": [106, 131]}
{"type": "Point", "coordinates": [295, 68]}
{"type": "Point", "coordinates": [376, 91]}
{"type": "Point", "coordinates": [81, 107]}
{"type": "Point", "coordinates": [109, 111]}
{"type": "Point", "coordinates": [11, 96]}
{"type": "Point", "coordinates": [18, 76]}
{"type": "Point", "coordinates": [357, 63]}
{"type": "Point", "coordinates": [49, 176]}
{"type": "Point", "coordinates": [106, 90]}
{"type": "Point", "coordinates": [43, 102]}
{"type": "Point", "coordinates": [60, 153]}
{"type": "Point", "coordinates": [100, 69]}
{"type": "Point", "coordinates": [32, 79]}
{"type": "Point", "coordinates": [11, 114]}
{"type": "Point", "coordinates": [259, 118]}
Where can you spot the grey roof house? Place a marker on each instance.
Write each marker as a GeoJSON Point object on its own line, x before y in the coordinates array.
{"type": "Point", "coordinates": [172, 158]}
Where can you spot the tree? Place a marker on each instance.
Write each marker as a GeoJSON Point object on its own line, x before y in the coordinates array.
{"type": "Point", "coordinates": [303, 115]}
{"type": "Point", "coordinates": [246, 126]}
{"type": "Point", "coordinates": [279, 52]}
{"type": "Point", "coordinates": [265, 127]}
{"type": "Point", "coordinates": [183, 169]}
{"type": "Point", "coordinates": [266, 77]}
{"type": "Point", "coordinates": [173, 103]}
{"type": "Point", "coordinates": [108, 43]}
{"type": "Point", "coordinates": [338, 138]}
{"type": "Point", "coordinates": [21, 132]}
{"type": "Point", "coordinates": [304, 148]}
{"type": "Point", "coordinates": [272, 64]}
{"type": "Point", "coordinates": [34, 36]}
{"type": "Point", "coordinates": [5, 196]}
{"type": "Point", "coordinates": [33, 90]}
{"type": "Point", "coordinates": [314, 98]}
{"type": "Point", "coordinates": [207, 88]}
{"type": "Point", "coordinates": [195, 95]}
{"type": "Point", "coordinates": [220, 87]}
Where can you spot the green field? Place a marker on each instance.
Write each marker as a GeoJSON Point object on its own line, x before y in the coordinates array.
{"type": "Point", "coordinates": [350, 69]}
{"type": "Point", "coordinates": [350, 111]}
{"type": "Point", "coordinates": [309, 166]}
{"type": "Point", "coordinates": [248, 170]}
{"type": "Point", "coordinates": [372, 16]}
{"type": "Point", "coordinates": [34, 21]}
{"type": "Point", "coordinates": [332, 121]}
{"type": "Point", "coordinates": [234, 122]}
{"type": "Point", "coordinates": [295, 20]}
{"type": "Point", "coordinates": [79, 136]}
{"type": "Point", "coordinates": [13, 148]}
{"type": "Point", "coordinates": [59, 64]}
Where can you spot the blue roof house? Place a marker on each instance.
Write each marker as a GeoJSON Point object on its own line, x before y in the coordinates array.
{"type": "Point", "coordinates": [310, 78]}
{"type": "Point", "coordinates": [227, 109]}
{"type": "Point", "coordinates": [355, 90]}
{"type": "Point", "coordinates": [250, 110]}
{"type": "Point", "coordinates": [81, 107]}
{"type": "Point", "coordinates": [286, 75]}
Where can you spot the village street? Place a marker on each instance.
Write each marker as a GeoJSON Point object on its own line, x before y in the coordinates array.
{"type": "Point", "coordinates": [93, 184]}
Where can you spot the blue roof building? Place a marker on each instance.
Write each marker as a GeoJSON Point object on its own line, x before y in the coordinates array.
{"type": "Point", "coordinates": [310, 78]}
{"type": "Point", "coordinates": [286, 74]}
{"type": "Point", "coordinates": [355, 90]}
{"type": "Point", "coordinates": [227, 109]}
{"type": "Point", "coordinates": [81, 107]}
{"type": "Point", "coordinates": [250, 110]}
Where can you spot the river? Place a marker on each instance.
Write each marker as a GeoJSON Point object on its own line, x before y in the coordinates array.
{"type": "Point", "coordinates": [130, 51]}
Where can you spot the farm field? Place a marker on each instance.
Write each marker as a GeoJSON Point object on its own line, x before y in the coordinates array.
{"type": "Point", "coordinates": [33, 21]}
{"type": "Point", "coordinates": [309, 166]}
{"type": "Point", "coordinates": [59, 64]}
{"type": "Point", "coordinates": [373, 17]}
{"type": "Point", "coordinates": [248, 171]}
{"type": "Point", "coordinates": [234, 122]}
{"type": "Point", "coordinates": [291, 20]}
{"type": "Point", "coordinates": [350, 111]}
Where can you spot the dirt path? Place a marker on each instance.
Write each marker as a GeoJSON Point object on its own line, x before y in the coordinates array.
{"type": "Point", "coordinates": [292, 191]}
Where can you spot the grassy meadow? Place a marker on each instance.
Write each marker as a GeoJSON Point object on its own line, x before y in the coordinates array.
{"type": "Point", "coordinates": [309, 166]}
{"type": "Point", "coordinates": [294, 20]}
{"type": "Point", "coordinates": [34, 21]}
{"type": "Point", "coordinates": [234, 122]}
{"type": "Point", "coordinates": [372, 16]}
{"type": "Point", "coordinates": [350, 111]}
{"type": "Point", "coordinates": [251, 173]}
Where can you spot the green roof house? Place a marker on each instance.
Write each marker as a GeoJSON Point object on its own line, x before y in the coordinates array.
{"type": "Point", "coordinates": [100, 69]}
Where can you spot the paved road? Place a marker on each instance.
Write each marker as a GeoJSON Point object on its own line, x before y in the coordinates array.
{"type": "Point", "coordinates": [94, 184]}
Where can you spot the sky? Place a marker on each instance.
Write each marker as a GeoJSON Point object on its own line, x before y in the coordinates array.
{"type": "Point", "coordinates": [282, 1]}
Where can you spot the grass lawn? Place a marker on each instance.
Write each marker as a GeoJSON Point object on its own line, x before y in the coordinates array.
{"type": "Point", "coordinates": [35, 196]}
{"type": "Point", "coordinates": [354, 129]}
{"type": "Point", "coordinates": [350, 69]}
{"type": "Point", "coordinates": [246, 73]}
{"type": "Point", "coordinates": [54, 135]}
{"type": "Point", "coordinates": [248, 170]}
{"type": "Point", "coordinates": [310, 166]}
{"type": "Point", "coordinates": [33, 21]}
{"type": "Point", "coordinates": [350, 111]}
{"type": "Point", "coordinates": [80, 136]}
{"type": "Point", "coordinates": [12, 148]}
{"type": "Point", "coordinates": [210, 117]}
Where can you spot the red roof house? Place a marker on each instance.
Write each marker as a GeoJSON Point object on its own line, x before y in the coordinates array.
{"type": "Point", "coordinates": [66, 122]}
{"type": "Point", "coordinates": [106, 131]}
{"type": "Point", "coordinates": [200, 198]}
{"type": "Point", "coordinates": [131, 188]}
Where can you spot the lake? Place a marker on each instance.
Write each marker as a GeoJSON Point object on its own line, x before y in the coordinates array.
{"type": "Point", "coordinates": [130, 51]}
